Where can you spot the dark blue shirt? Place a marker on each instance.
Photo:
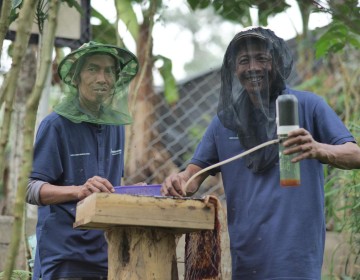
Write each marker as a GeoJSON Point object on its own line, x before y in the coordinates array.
{"type": "Point", "coordinates": [275, 232]}
{"type": "Point", "coordinates": [68, 153]}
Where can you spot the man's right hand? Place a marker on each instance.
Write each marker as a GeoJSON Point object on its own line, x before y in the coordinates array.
{"type": "Point", "coordinates": [175, 184]}
{"type": "Point", "coordinates": [95, 184]}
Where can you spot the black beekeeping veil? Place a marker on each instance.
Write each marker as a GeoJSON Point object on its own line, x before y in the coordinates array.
{"type": "Point", "coordinates": [255, 67]}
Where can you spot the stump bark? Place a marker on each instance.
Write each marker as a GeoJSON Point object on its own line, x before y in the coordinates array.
{"type": "Point", "coordinates": [141, 253]}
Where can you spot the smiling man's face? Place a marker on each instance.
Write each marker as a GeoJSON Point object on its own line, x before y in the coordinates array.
{"type": "Point", "coordinates": [254, 69]}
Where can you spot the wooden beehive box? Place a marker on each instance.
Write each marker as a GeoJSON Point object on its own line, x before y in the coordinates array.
{"type": "Point", "coordinates": [102, 210]}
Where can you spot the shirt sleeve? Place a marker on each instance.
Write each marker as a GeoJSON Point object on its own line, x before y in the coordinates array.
{"type": "Point", "coordinates": [47, 164]}
{"type": "Point", "coordinates": [33, 192]}
{"type": "Point", "coordinates": [329, 128]}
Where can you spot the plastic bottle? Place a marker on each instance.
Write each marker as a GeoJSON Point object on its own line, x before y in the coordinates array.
{"type": "Point", "coordinates": [287, 120]}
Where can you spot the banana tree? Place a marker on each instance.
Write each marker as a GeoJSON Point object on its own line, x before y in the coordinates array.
{"type": "Point", "coordinates": [143, 98]}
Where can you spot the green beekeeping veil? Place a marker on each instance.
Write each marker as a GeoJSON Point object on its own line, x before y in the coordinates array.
{"type": "Point", "coordinates": [113, 111]}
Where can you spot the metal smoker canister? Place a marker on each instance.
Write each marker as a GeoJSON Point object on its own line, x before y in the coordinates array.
{"type": "Point", "coordinates": [287, 120]}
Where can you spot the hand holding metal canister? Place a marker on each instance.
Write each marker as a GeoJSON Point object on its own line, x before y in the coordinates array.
{"type": "Point", "coordinates": [287, 120]}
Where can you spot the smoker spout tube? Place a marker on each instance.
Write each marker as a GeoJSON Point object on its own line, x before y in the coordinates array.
{"type": "Point", "coordinates": [268, 143]}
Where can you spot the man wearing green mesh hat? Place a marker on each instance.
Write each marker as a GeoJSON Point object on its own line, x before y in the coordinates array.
{"type": "Point", "coordinates": [79, 150]}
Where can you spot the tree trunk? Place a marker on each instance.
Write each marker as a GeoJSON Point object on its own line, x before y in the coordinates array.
{"type": "Point", "coordinates": [8, 87]}
{"type": "Point", "coordinates": [25, 84]}
{"type": "Point", "coordinates": [145, 157]}
{"type": "Point", "coordinates": [141, 253]}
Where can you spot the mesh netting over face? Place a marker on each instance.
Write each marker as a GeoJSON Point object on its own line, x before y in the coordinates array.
{"type": "Point", "coordinates": [255, 67]}
{"type": "Point", "coordinates": [97, 78]}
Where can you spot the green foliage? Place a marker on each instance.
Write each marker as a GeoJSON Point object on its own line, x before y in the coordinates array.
{"type": "Point", "coordinates": [331, 189]}
{"type": "Point", "coordinates": [343, 30]}
{"type": "Point", "coordinates": [75, 4]}
{"type": "Point", "coordinates": [239, 10]}
{"type": "Point", "coordinates": [342, 192]}
{"type": "Point", "coordinates": [330, 94]}
{"type": "Point", "coordinates": [348, 12]}
{"type": "Point", "coordinates": [269, 8]}
{"type": "Point", "coordinates": [15, 6]}
{"type": "Point", "coordinates": [41, 13]}
{"type": "Point", "coordinates": [17, 275]}
{"type": "Point", "coordinates": [342, 203]}
{"type": "Point", "coordinates": [233, 10]}
{"type": "Point", "coordinates": [199, 4]}
{"type": "Point", "coordinates": [334, 81]}
{"type": "Point", "coordinates": [170, 87]}
{"type": "Point", "coordinates": [335, 39]}
{"type": "Point", "coordinates": [312, 84]}
{"type": "Point", "coordinates": [105, 32]}
{"type": "Point", "coordinates": [127, 15]}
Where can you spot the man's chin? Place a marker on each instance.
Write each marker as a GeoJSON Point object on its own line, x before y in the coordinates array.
{"type": "Point", "coordinates": [254, 92]}
{"type": "Point", "coordinates": [256, 96]}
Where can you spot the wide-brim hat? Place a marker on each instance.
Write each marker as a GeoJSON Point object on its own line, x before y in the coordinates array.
{"type": "Point", "coordinates": [126, 60]}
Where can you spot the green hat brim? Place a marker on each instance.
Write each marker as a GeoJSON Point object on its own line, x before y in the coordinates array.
{"type": "Point", "coordinates": [123, 57]}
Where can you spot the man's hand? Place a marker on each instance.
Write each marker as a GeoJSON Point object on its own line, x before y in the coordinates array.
{"type": "Point", "coordinates": [343, 156]}
{"type": "Point", "coordinates": [301, 141]}
{"type": "Point", "coordinates": [174, 185]}
{"type": "Point", "coordinates": [95, 184]}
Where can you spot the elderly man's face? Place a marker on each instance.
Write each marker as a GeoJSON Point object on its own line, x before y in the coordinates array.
{"type": "Point", "coordinates": [254, 69]}
{"type": "Point", "coordinates": [97, 78]}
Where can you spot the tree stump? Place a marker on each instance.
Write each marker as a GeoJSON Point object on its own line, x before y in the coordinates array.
{"type": "Point", "coordinates": [142, 231]}
{"type": "Point", "coordinates": [141, 253]}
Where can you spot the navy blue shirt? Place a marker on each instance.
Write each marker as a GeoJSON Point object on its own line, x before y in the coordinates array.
{"type": "Point", "coordinates": [275, 232]}
{"type": "Point", "coordinates": [68, 153]}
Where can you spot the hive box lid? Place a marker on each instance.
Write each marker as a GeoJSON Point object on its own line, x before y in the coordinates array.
{"type": "Point", "coordinates": [104, 210]}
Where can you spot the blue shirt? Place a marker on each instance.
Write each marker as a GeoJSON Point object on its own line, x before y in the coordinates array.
{"type": "Point", "coordinates": [68, 153]}
{"type": "Point", "coordinates": [275, 232]}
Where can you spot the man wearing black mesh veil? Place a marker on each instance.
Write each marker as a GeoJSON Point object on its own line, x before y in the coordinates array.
{"type": "Point", "coordinates": [275, 232]}
{"type": "Point", "coordinates": [249, 88]}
